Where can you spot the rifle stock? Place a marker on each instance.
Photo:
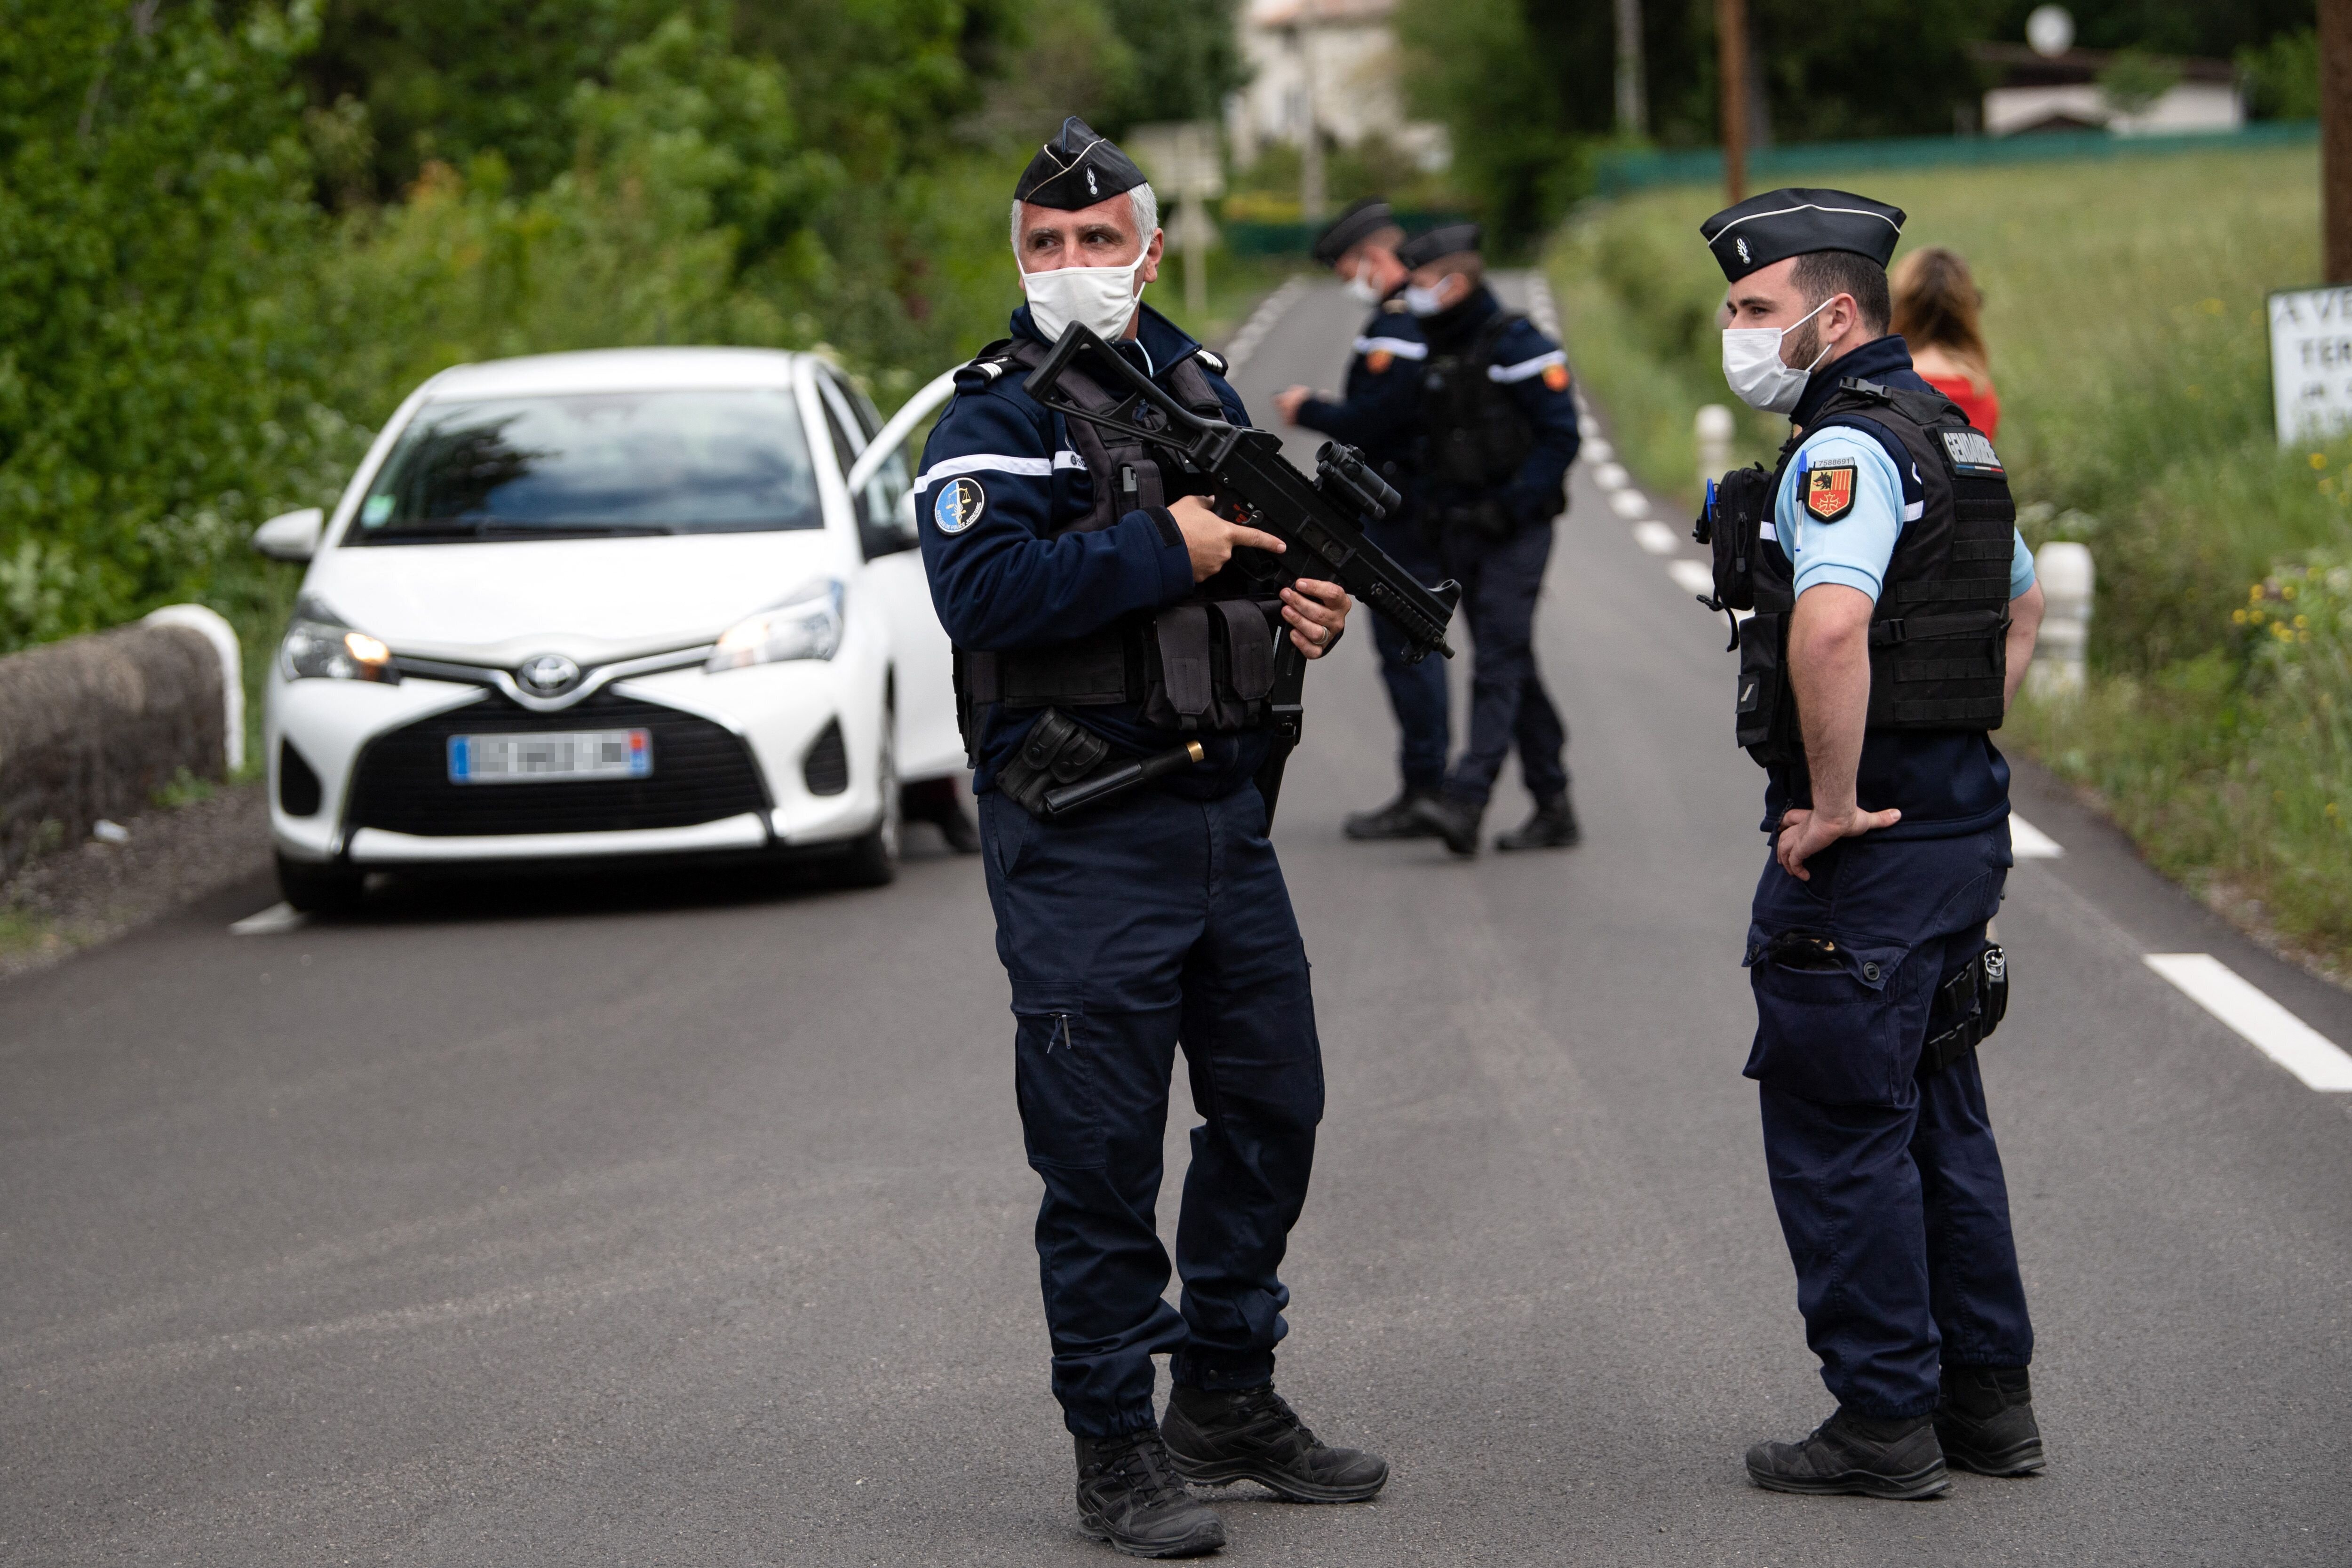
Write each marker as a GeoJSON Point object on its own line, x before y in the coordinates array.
{"type": "Point", "coordinates": [1323, 537]}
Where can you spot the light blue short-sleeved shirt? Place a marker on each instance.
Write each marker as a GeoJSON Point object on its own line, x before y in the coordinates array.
{"type": "Point", "coordinates": [1855, 549]}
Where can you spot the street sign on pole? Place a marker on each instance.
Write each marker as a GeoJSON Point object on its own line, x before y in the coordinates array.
{"type": "Point", "coordinates": [1186, 168]}
{"type": "Point", "coordinates": [2311, 363]}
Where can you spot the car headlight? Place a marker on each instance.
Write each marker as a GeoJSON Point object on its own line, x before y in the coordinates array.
{"type": "Point", "coordinates": [806, 626]}
{"type": "Point", "coordinates": [318, 646]}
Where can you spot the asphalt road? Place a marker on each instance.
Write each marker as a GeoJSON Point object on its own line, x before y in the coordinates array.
{"type": "Point", "coordinates": [686, 1223]}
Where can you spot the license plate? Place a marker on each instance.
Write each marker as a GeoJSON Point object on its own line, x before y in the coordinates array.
{"type": "Point", "coordinates": [562, 755]}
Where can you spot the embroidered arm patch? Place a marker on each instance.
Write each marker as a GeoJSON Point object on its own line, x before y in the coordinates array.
{"type": "Point", "coordinates": [1829, 491]}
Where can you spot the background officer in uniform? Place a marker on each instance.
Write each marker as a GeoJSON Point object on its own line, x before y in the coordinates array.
{"type": "Point", "coordinates": [1908, 606]}
{"type": "Point", "coordinates": [1377, 414]}
{"type": "Point", "coordinates": [1158, 916]}
{"type": "Point", "coordinates": [1495, 431]}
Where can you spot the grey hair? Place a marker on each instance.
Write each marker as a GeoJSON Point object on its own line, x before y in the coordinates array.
{"type": "Point", "coordinates": [1147, 215]}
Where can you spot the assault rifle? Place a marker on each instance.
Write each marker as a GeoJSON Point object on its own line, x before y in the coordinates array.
{"type": "Point", "coordinates": [1315, 519]}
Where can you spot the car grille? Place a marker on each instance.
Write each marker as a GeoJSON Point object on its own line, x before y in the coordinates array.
{"type": "Point", "coordinates": [702, 773]}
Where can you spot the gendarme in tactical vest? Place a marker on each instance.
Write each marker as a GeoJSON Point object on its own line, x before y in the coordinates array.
{"type": "Point", "coordinates": [1205, 664]}
{"type": "Point", "coordinates": [1938, 633]}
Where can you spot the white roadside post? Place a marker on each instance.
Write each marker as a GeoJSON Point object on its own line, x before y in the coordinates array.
{"type": "Point", "coordinates": [1714, 428]}
{"type": "Point", "coordinates": [2063, 569]}
{"type": "Point", "coordinates": [1181, 157]}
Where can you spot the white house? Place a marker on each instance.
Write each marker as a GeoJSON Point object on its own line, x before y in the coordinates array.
{"type": "Point", "coordinates": [1330, 63]}
{"type": "Point", "coordinates": [2062, 91]}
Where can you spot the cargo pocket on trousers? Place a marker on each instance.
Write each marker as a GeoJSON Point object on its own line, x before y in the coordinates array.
{"type": "Point", "coordinates": [1827, 1025]}
{"type": "Point", "coordinates": [1054, 1080]}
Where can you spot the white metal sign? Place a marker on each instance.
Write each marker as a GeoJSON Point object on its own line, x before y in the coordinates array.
{"type": "Point", "coordinates": [2311, 363]}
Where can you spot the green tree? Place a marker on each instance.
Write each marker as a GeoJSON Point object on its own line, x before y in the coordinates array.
{"type": "Point", "coordinates": [154, 199]}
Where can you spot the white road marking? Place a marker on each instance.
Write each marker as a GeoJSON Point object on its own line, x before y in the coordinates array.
{"type": "Point", "coordinates": [1261, 320]}
{"type": "Point", "coordinates": [2027, 842]}
{"type": "Point", "coordinates": [1541, 310]}
{"type": "Point", "coordinates": [1611, 476]}
{"type": "Point", "coordinates": [275, 921]}
{"type": "Point", "coordinates": [2275, 1032]}
{"type": "Point", "coordinates": [1695, 575]}
{"type": "Point", "coordinates": [1628, 504]}
{"type": "Point", "coordinates": [1656, 537]}
{"type": "Point", "coordinates": [1595, 449]}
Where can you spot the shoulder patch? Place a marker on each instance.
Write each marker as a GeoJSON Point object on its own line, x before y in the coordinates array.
{"type": "Point", "coordinates": [1829, 491]}
{"type": "Point", "coordinates": [1214, 361]}
{"type": "Point", "coordinates": [959, 504]}
{"type": "Point", "coordinates": [1379, 360]}
{"type": "Point", "coordinates": [1556, 377]}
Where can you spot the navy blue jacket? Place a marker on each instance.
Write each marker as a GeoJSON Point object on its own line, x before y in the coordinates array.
{"type": "Point", "coordinates": [1003, 582]}
{"type": "Point", "coordinates": [1381, 392]}
{"type": "Point", "coordinates": [1531, 368]}
{"type": "Point", "coordinates": [1948, 783]}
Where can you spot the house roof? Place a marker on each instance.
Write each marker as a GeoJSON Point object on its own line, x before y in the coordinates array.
{"type": "Point", "coordinates": [2017, 65]}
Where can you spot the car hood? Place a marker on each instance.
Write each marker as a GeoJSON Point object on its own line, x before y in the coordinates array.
{"type": "Point", "coordinates": [591, 599]}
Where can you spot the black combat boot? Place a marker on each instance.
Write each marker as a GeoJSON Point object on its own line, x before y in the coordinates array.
{"type": "Point", "coordinates": [1394, 820]}
{"type": "Point", "coordinates": [1130, 1495]}
{"type": "Point", "coordinates": [1986, 1421]}
{"type": "Point", "coordinates": [1251, 1435]}
{"type": "Point", "coordinates": [1451, 818]}
{"type": "Point", "coordinates": [1857, 1454]}
{"type": "Point", "coordinates": [1553, 827]}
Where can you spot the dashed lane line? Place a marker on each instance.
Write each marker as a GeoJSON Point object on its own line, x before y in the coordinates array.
{"type": "Point", "coordinates": [1611, 476]}
{"type": "Point", "coordinates": [1261, 322]}
{"type": "Point", "coordinates": [2278, 1034]}
{"type": "Point", "coordinates": [275, 921]}
{"type": "Point", "coordinates": [1629, 503]}
{"type": "Point", "coordinates": [1692, 575]}
{"type": "Point", "coordinates": [2027, 842]}
{"type": "Point", "coordinates": [1656, 537]}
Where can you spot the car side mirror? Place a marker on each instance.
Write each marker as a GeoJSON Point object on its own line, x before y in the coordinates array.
{"type": "Point", "coordinates": [291, 535]}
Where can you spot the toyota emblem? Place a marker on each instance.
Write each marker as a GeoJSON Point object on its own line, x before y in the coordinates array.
{"type": "Point", "coordinates": [548, 674]}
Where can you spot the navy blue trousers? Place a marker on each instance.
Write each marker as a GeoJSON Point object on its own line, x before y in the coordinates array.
{"type": "Point", "coordinates": [1146, 923]}
{"type": "Point", "coordinates": [1500, 579]}
{"type": "Point", "coordinates": [1889, 1185]}
{"type": "Point", "coordinates": [1416, 691]}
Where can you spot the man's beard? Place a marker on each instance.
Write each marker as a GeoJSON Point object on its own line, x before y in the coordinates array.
{"type": "Point", "coordinates": [1804, 344]}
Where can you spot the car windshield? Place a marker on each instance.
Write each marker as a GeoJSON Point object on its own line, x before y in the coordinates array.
{"type": "Point", "coordinates": [595, 465]}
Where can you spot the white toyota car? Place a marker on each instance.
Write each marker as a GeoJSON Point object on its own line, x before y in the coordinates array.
{"type": "Point", "coordinates": [629, 602]}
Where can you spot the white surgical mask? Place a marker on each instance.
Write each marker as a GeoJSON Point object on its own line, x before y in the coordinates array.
{"type": "Point", "coordinates": [1101, 298]}
{"type": "Point", "coordinates": [1361, 287]}
{"type": "Point", "coordinates": [1752, 364]}
{"type": "Point", "coordinates": [1424, 301]}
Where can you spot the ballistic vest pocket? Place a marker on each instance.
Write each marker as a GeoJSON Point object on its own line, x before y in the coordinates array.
{"type": "Point", "coordinates": [1763, 713]}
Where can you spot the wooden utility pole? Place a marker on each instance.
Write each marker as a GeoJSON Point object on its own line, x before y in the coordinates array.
{"type": "Point", "coordinates": [1731, 66]}
{"type": "Point", "coordinates": [2335, 137]}
{"type": "Point", "coordinates": [1632, 106]}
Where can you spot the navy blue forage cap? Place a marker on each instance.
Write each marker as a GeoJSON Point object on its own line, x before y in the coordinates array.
{"type": "Point", "coordinates": [1361, 220]}
{"type": "Point", "coordinates": [1076, 168]}
{"type": "Point", "coordinates": [1439, 243]}
{"type": "Point", "coordinates": [1779, 224]}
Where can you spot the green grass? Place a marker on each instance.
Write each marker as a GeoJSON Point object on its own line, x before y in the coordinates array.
{"type": "Point", "coordinates": [2124, 315]}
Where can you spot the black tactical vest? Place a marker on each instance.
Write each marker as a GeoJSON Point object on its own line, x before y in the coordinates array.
{"type": "Point", "coordinates": [1938, 633]}
{"type": "Point", "coordinates": [1205, 664]}
{"type": "Point", "coordinates": [1472, 436]}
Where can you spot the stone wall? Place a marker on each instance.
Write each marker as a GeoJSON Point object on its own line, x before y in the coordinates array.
{"type": "Point", "coordinates": [92, 726]}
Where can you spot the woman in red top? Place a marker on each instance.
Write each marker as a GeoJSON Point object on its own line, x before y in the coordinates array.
{"type": "Point", "coordinates": [1936, 311]}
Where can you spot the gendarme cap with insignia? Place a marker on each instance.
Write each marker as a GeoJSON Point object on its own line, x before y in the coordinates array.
{"type": "Point", "coordinates": [1778, 225]}
{"type": "Point", "coordinates": [1076, 168]}
{"type": "Point", "coordinates": [1362, 220]}
{"type": "Point", "coordinates": [1439, 243]}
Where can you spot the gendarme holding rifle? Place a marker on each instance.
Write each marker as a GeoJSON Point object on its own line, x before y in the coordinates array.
{"type": "Point", "coordinates": [1102, 621]}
